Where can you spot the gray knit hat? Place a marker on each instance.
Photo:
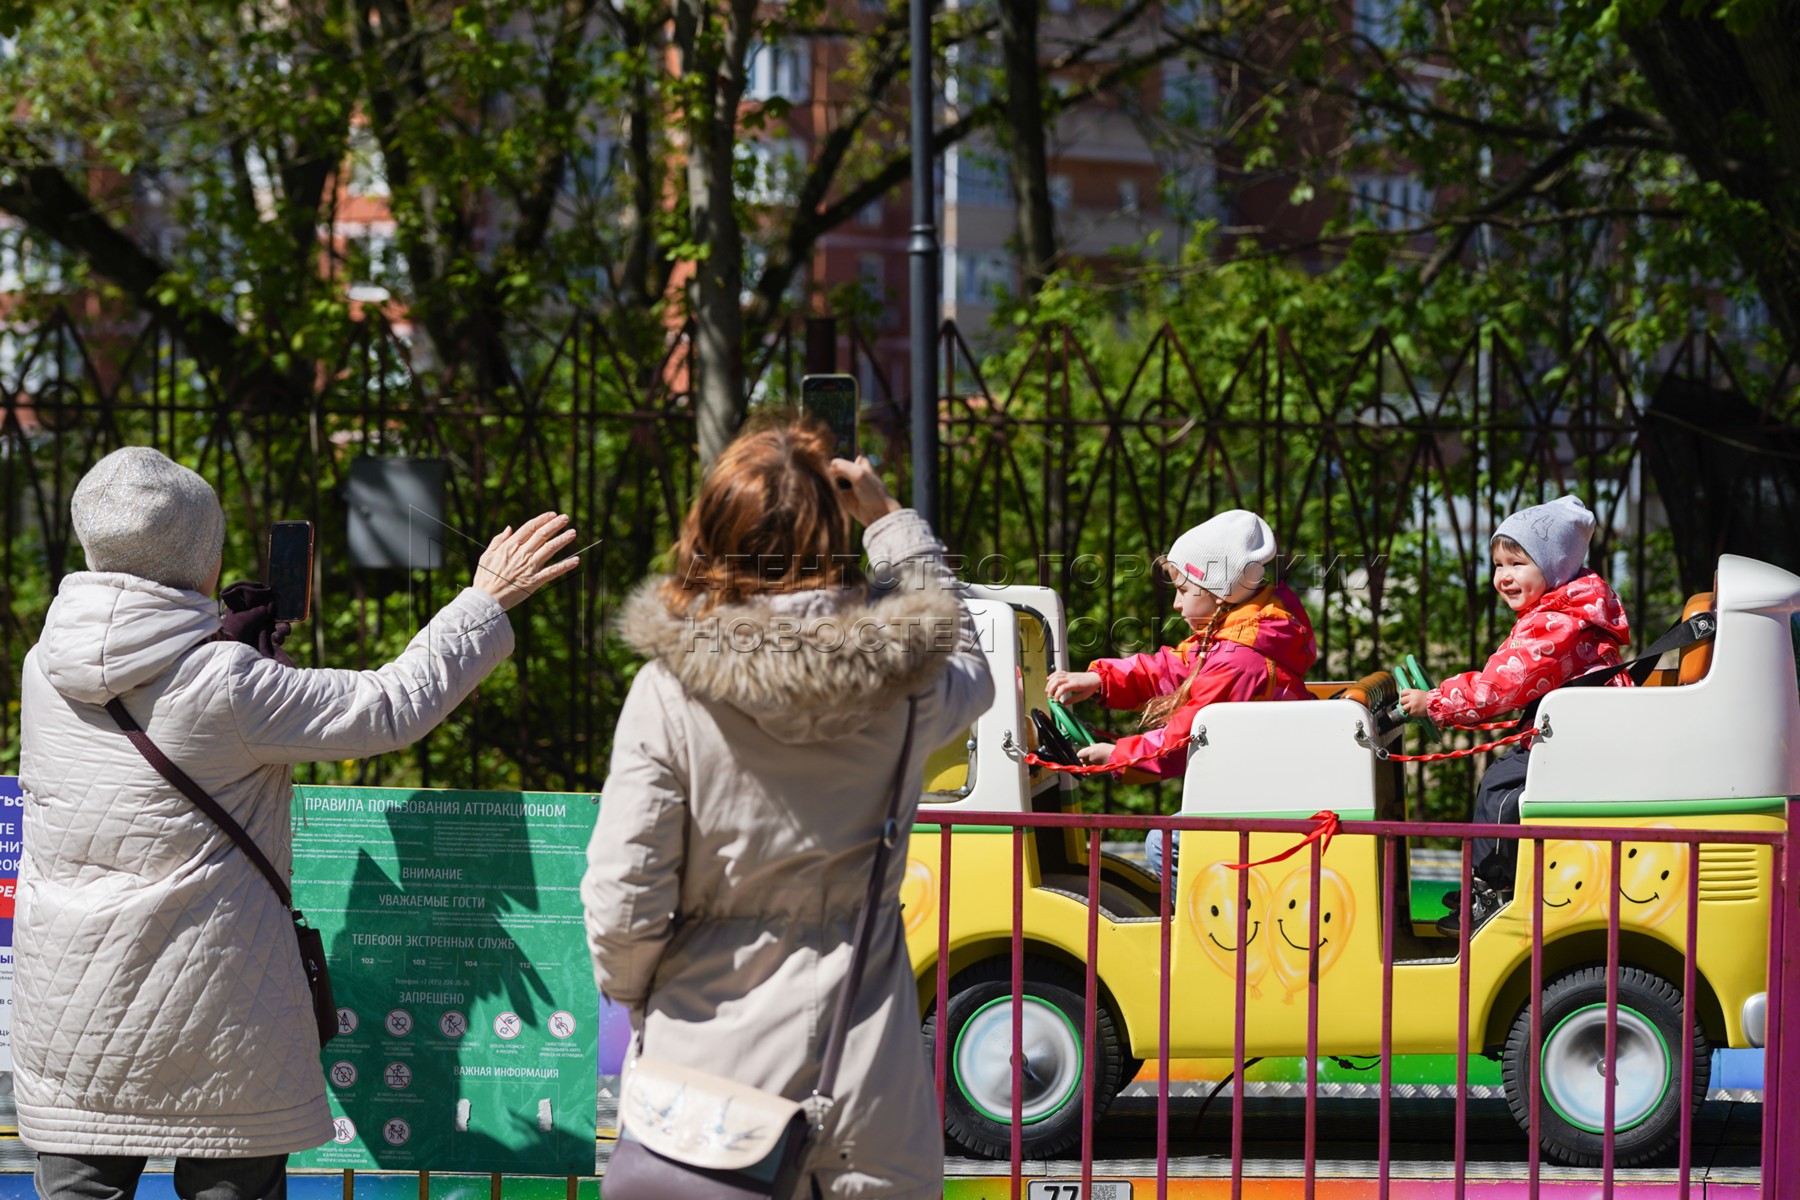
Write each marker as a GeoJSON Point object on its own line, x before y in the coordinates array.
{"type": "Point", "coordinates": [140, 513]}
{"type": "Point", "coordinates": [1555, 535]}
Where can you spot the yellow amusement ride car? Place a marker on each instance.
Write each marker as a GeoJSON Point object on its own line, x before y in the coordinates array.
{"type": "Point", "coordinates": [1730, 757]}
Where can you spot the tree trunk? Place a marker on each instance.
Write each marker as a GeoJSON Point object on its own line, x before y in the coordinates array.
{"type": "Point", "coordinates": [716, 291]}
{"type": "Point", "coordinates": [716, 56]}
{"type": "Point", "coordinates": [1734, 103]}
{"type": "Point", "coordinates": [1024, 138]}
{"type": "Point", "coordinates": [644, 272]}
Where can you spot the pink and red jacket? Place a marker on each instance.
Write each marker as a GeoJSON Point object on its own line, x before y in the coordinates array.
{"type": "Point", "coordinates": [1573, 630]}
{"type": "Point", "coordinates": [1260, 649]}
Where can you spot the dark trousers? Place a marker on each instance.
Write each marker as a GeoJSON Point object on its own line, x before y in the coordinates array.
{"type": "Point", "coordinates": [1497, 803]}
{"type": "Point", "coordinates": [115, 1177]}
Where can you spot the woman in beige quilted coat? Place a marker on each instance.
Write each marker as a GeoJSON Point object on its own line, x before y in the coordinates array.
{"type": "Point", "coordinates": [751, 773]}
{"type": "Point", "coordinates": [159, 1003]}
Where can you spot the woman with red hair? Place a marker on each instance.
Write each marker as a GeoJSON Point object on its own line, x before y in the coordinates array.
{"type": "Point", "coordinates": [751, 774]}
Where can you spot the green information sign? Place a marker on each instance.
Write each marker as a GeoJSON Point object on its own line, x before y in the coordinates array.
{"type": "Point", "coordinates": [466, 1006]}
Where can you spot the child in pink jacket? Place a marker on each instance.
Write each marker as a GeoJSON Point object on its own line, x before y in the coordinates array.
{"type": "Point", "coordinates": [1251, 640]}
{"type": "Point", "coordinates": [1569, 622]}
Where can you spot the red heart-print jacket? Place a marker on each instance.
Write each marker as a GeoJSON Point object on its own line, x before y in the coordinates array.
{"type": "Point", "coordinates": [1573, 630]}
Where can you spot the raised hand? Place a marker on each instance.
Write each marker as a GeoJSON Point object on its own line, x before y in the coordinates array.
{"type": "Point", "coordinates": [518, 561]}
{"type": "Point", "coordinates": [864, 496]}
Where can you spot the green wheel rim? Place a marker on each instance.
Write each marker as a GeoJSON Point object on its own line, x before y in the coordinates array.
{"type": "Point", "coordinates": [1576, 1046]}
{"type": "Point", "coordinates": [981, 1059]}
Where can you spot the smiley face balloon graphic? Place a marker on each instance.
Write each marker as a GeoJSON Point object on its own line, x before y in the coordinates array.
{"type": "Point", "coordinates": [1574, 876]}
{"type": "Point", "coordinates": [1652, 880]}
{"type": "Point", "coordinates": [1290, 950]}
{"type": "Point", "coordinates": [918, 895]}
{"type": "Point", "coordinates": [1213, 916]}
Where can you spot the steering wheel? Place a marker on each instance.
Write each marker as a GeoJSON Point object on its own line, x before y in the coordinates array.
{"type": "Point", "coordinates": [1409, 674]}
{"type": "Point", "coordinates": [1052, 745]}
{"type": "Point", "coordinates": [1072, 726]}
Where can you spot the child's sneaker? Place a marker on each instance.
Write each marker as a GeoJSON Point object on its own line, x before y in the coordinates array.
{"type": "Point", "coordinates": [1485, 902]}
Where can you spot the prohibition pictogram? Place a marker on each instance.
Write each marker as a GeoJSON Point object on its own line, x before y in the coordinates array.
{"type": "Point", "coordinates": [562, 1024]}
{"type": "Point", "coordinates": [399, 1022]}
{"type": "Point", "coordinates": [343, 1131]}
{"type": "Point", "coordinates": [508, 1025]}
{"type": "Point", "coordinates": [343, 1074]}
{"type": "Point", "coordinates": [347, 1021]}
{"type": "Point", "coordinates": [453, 1024]}
{"type": "Point", "coordinates": [396, 1132]}
{"type": "Point", "coordinates": [397, 1075]}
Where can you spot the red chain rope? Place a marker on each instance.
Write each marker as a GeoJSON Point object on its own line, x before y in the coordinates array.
{"type": "Point", "coordinates": [1106, 768]}
{"type": "Point", "coordinates": [1526, 736]}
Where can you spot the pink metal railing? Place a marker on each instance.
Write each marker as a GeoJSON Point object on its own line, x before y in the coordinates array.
{"type": "Point", "coordinates": [1780, 1167]}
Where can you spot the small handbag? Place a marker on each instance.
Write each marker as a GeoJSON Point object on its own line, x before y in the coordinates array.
{"type": "Point", "coordinates": [699, 1136]}
{"type": "Point", "coordinates": [312, 943]}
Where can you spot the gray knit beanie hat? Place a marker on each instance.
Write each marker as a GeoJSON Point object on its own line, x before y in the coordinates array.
{"type": "Point", "coordinates": [140, 513]}
{"type": "Point", "coordinates": [1555, 535]}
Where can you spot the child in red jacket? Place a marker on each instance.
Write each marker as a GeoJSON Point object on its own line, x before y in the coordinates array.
{"type": "Point", "coordinates": [1570, 622]}
{"type": "Point", "coordinates": [1251, 640]}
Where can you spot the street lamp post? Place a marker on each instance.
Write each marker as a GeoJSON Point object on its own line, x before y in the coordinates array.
{"type": "Point", "coordinates": [923, 252]}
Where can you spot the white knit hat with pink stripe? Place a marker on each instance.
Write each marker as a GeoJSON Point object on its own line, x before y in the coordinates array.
{"type": "Point", "coordinates": [1227, 555]}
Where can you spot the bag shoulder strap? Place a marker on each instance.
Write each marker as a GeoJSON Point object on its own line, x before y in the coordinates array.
{"type": "Point", "coordinates": [205, 803]}
{"type": "Point", "coordinates": [865, 919]}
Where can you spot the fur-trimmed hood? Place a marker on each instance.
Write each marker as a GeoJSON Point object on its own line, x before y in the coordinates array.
{"type": "Point", "coordinates": [805, 665]}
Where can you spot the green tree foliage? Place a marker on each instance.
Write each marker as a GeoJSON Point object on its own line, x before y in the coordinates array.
{"type": "Point", "coordinates": [536, 158]}
{"type": "Point", "coordinates": [193, 160]}
{"type": "Point", "coordinates": [1616, 164]}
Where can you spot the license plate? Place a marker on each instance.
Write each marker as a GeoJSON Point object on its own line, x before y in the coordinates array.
{"type": "Point", "coordinates": [1070, 1189]}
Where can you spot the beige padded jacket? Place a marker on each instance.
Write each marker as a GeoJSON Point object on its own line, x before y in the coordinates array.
{"type": "Point", "coordinates": [159, 1005]}
{"type": "Point", "coordinates": [751, 771]}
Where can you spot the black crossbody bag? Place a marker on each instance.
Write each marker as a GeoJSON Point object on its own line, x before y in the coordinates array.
{"type": "Point", "coordinates": [312, 944]}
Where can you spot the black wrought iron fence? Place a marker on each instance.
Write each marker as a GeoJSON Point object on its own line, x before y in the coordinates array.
{"type": "Point", "coordinates": [1383, 474]}
{"type": "Point", "coordinates": [1066, 460]}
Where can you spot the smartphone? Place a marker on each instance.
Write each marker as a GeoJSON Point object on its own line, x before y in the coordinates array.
{"type": "Point", "coordinates": [290, 569]}
{"type": "Point", "coordinates": [833, 399]}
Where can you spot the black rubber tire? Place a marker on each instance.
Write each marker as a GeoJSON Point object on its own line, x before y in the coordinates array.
{"type": "Point", "coordinates": [972, 989]}
{"type": "Point", "coordinates": [1657, 1001]}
